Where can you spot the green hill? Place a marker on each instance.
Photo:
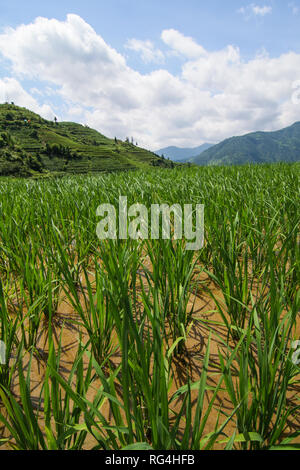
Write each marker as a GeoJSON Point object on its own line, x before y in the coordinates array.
{"type": "Point", "coordinates": [257, 147]}
{"type": "Point", "coordinates": [31, 145]}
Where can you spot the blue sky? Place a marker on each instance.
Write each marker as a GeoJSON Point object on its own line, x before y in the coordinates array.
{"type": "Point", "coordinates": [168, 72]}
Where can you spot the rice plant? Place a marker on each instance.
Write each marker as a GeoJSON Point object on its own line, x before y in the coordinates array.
{"type": "Point", "coordinates": [153, 336]}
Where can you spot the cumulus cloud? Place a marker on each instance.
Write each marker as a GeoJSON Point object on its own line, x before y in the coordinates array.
{"type": "Point", "coordinates": [146, 49]}
{"type": "Point", "coordinates": [217, 94]}
{"type": "Point", "coordinates": [181, 44]}
{"type": "Point", "coordinates": [12, 90]}
{"type": "Point", "coordinates": [255, 10]}
{"type": "Point", "coordinates": [261, 11]}
{"type": "Point", "coordinates": [295, 9]}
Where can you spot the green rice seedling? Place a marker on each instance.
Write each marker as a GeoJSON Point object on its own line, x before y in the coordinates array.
{"type": "Point", "coordinates": [48, 425]}
{"type": "Point", "coordinates": [142, 420]}
{"type": "Point", "coordinates": [230, 264]}
{"type": "Point", "coordinates": [171, 274]}
{"type": "Point", "coordinates": [145, 373]}
{"type": "Point", "coordinates": [21, 419]}
{"type": "Point", "coordinates": [98, 321]}
{"type": "Point", "coordinates": [285, 266]}
{"type": "Point", "coordinates": [194, 437]}
{"type": "Point", "coordinates": [51, 423]}
{"type": "Point", "coordinates": [61, 413]}
{"type": "Point", "coordinates": [91, 303]}
{"type": "Point", "coordinates": [273, 297]}
{"type": "Point", "coordinates": [64, 254]}
{"type": "Point", "coordinates": [49, 247]}
{"type": "Point", "coordinates": [36, 287]}
{"type": "Point", "coordinates": [264, 374]}
{"type": "Point", "coordinates": [144, 400]}
{"type": "Point", "coordinates": [120, 261]}
{"type": "Point", "coordinates": [11, 347]}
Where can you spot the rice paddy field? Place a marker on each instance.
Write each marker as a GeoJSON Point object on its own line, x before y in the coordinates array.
{"type": "Point", "coordinates": [141, 344]}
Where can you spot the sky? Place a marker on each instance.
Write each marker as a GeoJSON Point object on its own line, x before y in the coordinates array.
{"type": "Point", "coordinates": [168, 72]}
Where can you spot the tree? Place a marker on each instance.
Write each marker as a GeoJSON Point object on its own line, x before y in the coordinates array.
{"type": "Point", "coordinates": [34, 134]}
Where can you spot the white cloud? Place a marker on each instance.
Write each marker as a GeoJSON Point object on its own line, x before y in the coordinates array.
{"type": "Point", "coordinates": [216, 95]}
{"type": "Point", "coordinates": [146, 49]}
{"type": "Point", "coordinates": [181, 44]}
{"type": "Point", "coordinates": [255, 10]}
{"type": "Point", "coordinates": [261, 11]}
{"type": "Point", "coordinates": [12, 91]}
{"type": "Point", "coordinates": [295, 9]}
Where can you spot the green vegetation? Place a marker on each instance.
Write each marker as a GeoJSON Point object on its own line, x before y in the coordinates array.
{"type": "Point", "coordinates": [30, 145]}
{"type": "Point", "coordinates": [171, 349]}
{"type": "Point", "coordinates": [257, 147]}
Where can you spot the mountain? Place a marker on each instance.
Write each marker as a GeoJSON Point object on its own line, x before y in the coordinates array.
{"type": "Point", "coordinates": [178, 154]}
{"type": "Point", "coordinates": [256, 147]}
{"type": "Point", "coordinates": [31, 145]}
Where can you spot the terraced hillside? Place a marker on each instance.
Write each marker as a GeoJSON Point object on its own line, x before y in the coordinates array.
{"type": "Point", "coordinates": [31, 145]}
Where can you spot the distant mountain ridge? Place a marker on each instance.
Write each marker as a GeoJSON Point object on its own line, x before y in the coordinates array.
{"type": "Point", "coordinates": [181, 154]}
{"type": "Point", "coordinates": [256, 147]}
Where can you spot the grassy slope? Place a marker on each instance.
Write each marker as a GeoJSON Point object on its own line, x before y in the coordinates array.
{"type": "Point", "coordinates": [23, 148]}
{"type": "Point", "coordinates": [257, 147]}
